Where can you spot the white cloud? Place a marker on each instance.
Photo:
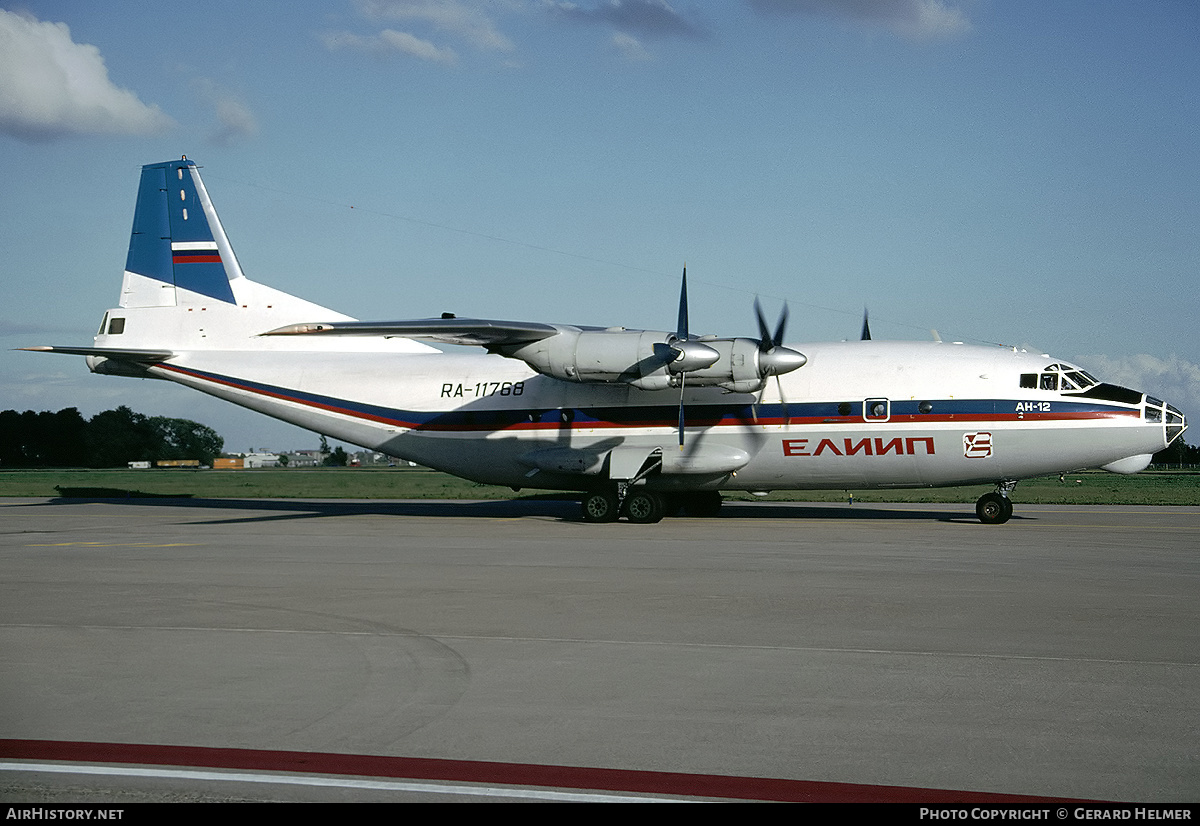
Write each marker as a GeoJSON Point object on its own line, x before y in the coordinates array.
{"type": "Point", "coordinates": [630, 47]}
{"type": "Point", "coordinates": [464, 20]}
{"type": "Point", "coordinates": [390, 41]}
{"type": "Point", "coordinates": [235, 121]}
{"type": "Point", "coordinates": [1173, 379]}
{"type": "Point", "coordinates": [51, 86]}
{"type": "Point", "coordinates": [911, 19]}
{"type": "Point", "coordinates": [467, 23]}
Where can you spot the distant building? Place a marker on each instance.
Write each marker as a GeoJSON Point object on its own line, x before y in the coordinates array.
{"type": "Point", "coordinates": [251, 460]}
{"type": "Point", "coordinates": [304, 458]}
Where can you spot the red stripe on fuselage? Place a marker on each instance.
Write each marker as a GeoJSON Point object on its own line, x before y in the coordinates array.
{"type": "Point", "coordinates": [285, 397]}
{"type": "Point", "coordinates": [698, 421]}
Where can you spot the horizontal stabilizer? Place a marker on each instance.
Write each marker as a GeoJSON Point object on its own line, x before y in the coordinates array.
{"type": "Point", "coordinates": [475, 331]}
{"type": "Point", "coordinates": [143, 356]}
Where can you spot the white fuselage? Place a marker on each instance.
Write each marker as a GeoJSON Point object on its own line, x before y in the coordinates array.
{"type": "Point", "coordinates": [865, 414]}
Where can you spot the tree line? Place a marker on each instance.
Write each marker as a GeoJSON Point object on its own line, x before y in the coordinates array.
{"type": "Point", "coordinates": [1179, 453]}
{"type": "Point", "coordinates": [112, 438]}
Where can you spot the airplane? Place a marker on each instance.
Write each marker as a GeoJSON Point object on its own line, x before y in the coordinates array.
{"type": "Point", "coordinates": [642, 423]}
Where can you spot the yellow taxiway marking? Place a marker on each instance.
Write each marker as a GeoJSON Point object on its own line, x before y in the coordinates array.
{"type": "Point", "coordinates": [112, 544]}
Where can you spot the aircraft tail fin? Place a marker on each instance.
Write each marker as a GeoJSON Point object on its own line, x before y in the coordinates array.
{"type": "Point", "coordinates": [178, 250]}
{"type": "Point", "coordinates": [183, 288]}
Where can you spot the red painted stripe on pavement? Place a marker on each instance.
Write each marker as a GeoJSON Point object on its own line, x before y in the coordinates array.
{"type": "Point", "coordinates": [512, 774]}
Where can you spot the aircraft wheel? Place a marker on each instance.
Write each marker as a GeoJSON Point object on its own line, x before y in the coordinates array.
{"type": "Point", "coordinates": [645, 507]}
{"type": "Point", "coordinates": [600, 506]}
{"type": "Point", "coordinates": [994, 509]}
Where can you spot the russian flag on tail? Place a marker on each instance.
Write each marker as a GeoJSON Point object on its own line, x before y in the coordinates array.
{"type": "Point", "coordinates": [195, 252]}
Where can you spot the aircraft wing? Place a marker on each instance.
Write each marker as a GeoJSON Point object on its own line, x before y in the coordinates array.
{"type": "Point", "coordinates": [143, 356]}
{"type": "Point", "coordinates": [477, 331]}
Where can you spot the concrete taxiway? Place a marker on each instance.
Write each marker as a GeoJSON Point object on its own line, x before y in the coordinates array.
{"type": "Point", "coordinates": [884, 645]}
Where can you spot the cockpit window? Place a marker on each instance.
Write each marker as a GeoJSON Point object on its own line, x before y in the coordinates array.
{"type": "Point", "coordinates": [1082, 378]}
{"type": "Point", "coordinates": [1059, 377]}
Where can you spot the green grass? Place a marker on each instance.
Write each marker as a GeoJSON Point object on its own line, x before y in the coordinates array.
{"type": "Point", "coordinates": [1093, 488]}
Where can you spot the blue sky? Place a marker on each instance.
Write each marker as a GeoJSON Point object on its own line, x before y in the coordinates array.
{"type": "Point", "coordinates": [1023, 173]}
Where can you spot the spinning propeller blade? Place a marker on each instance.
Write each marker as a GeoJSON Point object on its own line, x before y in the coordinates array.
{"type": "Point", "coordinates": [774, 359]}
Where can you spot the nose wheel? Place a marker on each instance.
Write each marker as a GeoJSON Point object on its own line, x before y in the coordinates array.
{"type": "Point", "coordinates": [996, 508]}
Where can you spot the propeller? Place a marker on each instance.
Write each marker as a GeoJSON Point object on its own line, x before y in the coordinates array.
{"type": "Point", "coordinates": [866, 330]}
{"type": "Point", "coordinates": [682, 354]}
{"type": "Point", "coordinates": [773, 358]}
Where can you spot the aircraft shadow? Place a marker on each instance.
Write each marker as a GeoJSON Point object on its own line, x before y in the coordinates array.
{"type": "Point", "coordinates": [559, 507]}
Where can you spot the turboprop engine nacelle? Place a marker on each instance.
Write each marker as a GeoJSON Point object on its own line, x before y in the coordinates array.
{"type": "Point", "coordinates": [655, 360]}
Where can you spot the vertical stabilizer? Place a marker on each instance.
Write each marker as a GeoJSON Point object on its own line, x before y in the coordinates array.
{"type": "Point", "coordinates": [183, 288]}
{"type": "Point", "coordinates": [178, 251]}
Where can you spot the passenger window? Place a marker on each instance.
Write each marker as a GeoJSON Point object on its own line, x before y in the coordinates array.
{"type": "Point", "coordinates": [875, 410]}
{"type": "Point", "coordinates": [116, 326]}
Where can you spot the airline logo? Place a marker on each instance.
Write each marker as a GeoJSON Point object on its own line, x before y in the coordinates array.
{"type": "Point", "coordinates": [900, 446]}
{"type": "Point", "coordinates": [195, 252]}
{"type": "Point", "coordinates": [977, 445]}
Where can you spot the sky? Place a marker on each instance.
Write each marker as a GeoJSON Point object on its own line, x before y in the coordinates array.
{"type": "Point", "coordinates": [1023, 172]}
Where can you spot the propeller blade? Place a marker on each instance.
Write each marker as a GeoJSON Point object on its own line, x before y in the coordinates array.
{"type": "Point", "coordinates": [866, 330]}
{"type": "Point", "coordinates": [764, 332]}
{"type": "Point", "coordinates": [766, 340]}
{"type": "Point", "coordinates": [681, 329]}
{"type": "Point", "coordinates": [682, 380]}
{"type": "Point", "coordinates": [773, 357]}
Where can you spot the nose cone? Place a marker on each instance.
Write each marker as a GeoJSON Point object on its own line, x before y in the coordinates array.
{"type": "Point", "coordinates": [780, 360]}
{"type": "Point", "coordinates": [691, 355]}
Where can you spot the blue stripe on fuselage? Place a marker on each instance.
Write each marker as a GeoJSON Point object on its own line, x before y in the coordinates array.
{"type": "Point", "coordinates": [698, 415]}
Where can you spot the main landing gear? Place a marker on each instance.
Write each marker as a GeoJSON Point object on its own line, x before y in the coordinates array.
{"type": "Point", "coordinates": [645, 507]}
{"type": "Point", "coordinates": [996, 508]}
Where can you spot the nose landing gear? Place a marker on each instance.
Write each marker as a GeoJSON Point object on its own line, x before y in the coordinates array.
{"type": "Point", "coordinates": [996, 508]}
